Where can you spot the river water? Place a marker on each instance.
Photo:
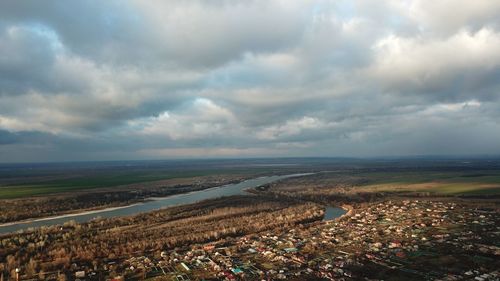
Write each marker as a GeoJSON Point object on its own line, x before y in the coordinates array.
{"type": "Point", "coordinates": [333, 213]}
{"type": "Point", "coordinates": [186, 198]}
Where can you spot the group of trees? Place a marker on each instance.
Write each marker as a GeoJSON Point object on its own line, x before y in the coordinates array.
{"type": "Point", "coordinates": [56, 248]}
{"type": "Point", "coordinates": [19, 209]}
{"type": "Point", "coordinates": [324, 188]}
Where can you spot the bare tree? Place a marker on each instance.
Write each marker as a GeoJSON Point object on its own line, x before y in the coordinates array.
{"type": "Point", "coordinates": [31, 268]}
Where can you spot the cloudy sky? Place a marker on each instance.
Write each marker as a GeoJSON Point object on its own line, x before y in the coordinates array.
{"type": "Point", "coordinates": [110, 80]}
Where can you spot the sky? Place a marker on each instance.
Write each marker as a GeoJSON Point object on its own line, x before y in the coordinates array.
{"type": "Point", "coordinates": [122, 80]}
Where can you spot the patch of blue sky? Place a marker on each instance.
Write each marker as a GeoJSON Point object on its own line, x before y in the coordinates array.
{"type": "Point", "coordinates": [343, 9]}
{"type": "Point", "coordinates": [47, 32]}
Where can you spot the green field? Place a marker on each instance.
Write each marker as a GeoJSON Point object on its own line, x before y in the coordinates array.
{"type": "Point", "coordinates": [101, 180]}
{"type": "Point", "coordinates": [446, 183]}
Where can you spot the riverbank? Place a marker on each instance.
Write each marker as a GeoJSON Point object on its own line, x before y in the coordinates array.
{"type": "Point", "coordinates": [89, 212]}
{"type": "Point", "coordinates": [149, 205]}
{"type": "Point", "coordinates": [349, 211]}
{"type": "Point", "coordinates": [52, 205]}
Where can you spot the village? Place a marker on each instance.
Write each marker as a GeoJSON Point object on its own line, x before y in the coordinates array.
{"type": "Point", "coordinates": [391, 240]}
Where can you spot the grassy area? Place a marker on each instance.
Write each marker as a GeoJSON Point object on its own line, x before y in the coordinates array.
{"type": "Point", "coordinates": [445, 188]}
{"type": "Point", "coordinates": [98, 181]}
{"type": "Point", "coordinates": [447, 183]}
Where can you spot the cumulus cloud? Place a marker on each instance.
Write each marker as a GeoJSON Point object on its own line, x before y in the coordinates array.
{"type": "Point", "coordinates": [200, 119]}
{"type": "Point", "coordinates": [448, 17]}
{"type": "Point", "coordinates": [156, 79]}
{"type": "Point", "coordinates": [454, 66]}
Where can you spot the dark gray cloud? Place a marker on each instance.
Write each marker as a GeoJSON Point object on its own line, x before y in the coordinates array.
{"type": "Point", "coordinates": [22, 65]}
{"type": "Point", "coordinates": [154, 79]}
{"type": "Point", "coordinates": [7, 137]}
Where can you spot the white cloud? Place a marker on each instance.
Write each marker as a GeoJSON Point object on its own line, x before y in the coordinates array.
{"type": "Point", "coordinates": [202, 118]}
{"type": "Point", "coordinates": [450, 16]}
{"type": "Point", "coordinates": [445, 108]}
{"type": "Point", "coordinates": [292, 128]}
{"type": "Point", "coordinates": [197, 152]}
{"type": "Point", "coordinates": [429, 65]}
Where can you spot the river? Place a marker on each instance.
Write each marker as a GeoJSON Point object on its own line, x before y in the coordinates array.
{"type": "Point", "coordinates": [333, 213]}
{"type": "Point", "coordinates": [153, 204]}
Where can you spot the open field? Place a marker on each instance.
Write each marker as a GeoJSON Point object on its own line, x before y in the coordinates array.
{"type": "Point", "coordinates": [22, 182]}
{"type": "Point", "coordinates": [25, 180]}
{"type": "Point", "coordinates": [98, 181]}
{"type": "Point", "coordinates": [375, 183]}
{"type": "Point", "coordinates": [444, 188]}
{"type": "Point", "coordinates": [452, 183]}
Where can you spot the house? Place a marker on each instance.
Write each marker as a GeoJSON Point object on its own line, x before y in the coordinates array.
{"type": "Point", "coordinates": [185, 267]}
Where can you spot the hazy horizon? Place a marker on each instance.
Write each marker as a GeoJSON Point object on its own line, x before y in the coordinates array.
{"type": "Point", "coordinates": [159, 80]}
{"type": "Point", "coordinates": [282, 158]}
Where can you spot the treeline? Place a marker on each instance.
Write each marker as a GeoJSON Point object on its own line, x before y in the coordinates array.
{"type": "Point", "coordinates": [20, 209]}
{"type": "Point", "coordinates": [324, 188]}
{"type": "Point", "coordinates": [99, 241]}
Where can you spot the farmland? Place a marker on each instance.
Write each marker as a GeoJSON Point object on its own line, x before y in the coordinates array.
{"type": "Point", "coordinates": [94, 181]}
{"type": "Point", "coordinates": [20, 181]}
{"type": "Point", "coordinates": [451, 183]}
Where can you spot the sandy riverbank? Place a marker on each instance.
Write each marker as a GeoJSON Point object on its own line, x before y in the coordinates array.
{"type": "Point", "coordinates": [349, 210]}
{"type": "Point", "coordinates": [88, 212]}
